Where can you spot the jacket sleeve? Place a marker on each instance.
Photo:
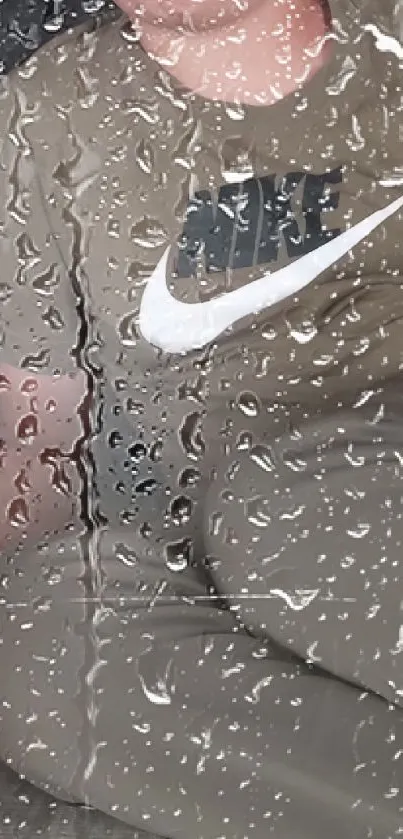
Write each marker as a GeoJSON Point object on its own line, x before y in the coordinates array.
{"type": "Point", "coordinates": [38, 308]}
{"type": "Point", "coordinates": [155, 703]}
{"type": "Point", "coordinates": [40, 385]}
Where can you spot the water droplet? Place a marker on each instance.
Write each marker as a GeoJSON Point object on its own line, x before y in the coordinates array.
{"type": "Point", "coordinates": [33, 404]}
{"type": "Point", "coordinates": [244, 441]}
{"type": "Point", "coordinates": [38, 362]}
{"type": "Point", "coordinates": [54, 17]}
{"type": "Point", "coordinates": [189, 477]}
{"type": "Point", "coordinates": [231, 537]}
{"type": "Point", "coordinates": [147, 487]}
{"type": "Point", "coordinates": [255, 693]}
{"type": "Point", "coordinates": [352, 459]}
{"type": "Point", "coordinates": [304, 332]}
{"type": "Point", "coordinates": [268, 332]}
{"type": "Point", "coordinates": [126, 555]}
{"type": "Point", "coordinates": [129, 33]}
{"type": "Point", "coordinates": [347, 71]}
{"type": "Point", "coordinates": [5, 384]}
{"type": "Point", "coordinates": [257, 511]}
{"type": "Point", "coordinates": [92, 6]}
{"type": "Point", "coordinates": [115, 439]}
{"type": "Point", "coordinates": [42, 604]}
{"type": "Point", "coordinates": [5, 292]}
{"type": "Point", "coordinates": [362, 530]}
{"type": "Point", "coordinates": [347, 562]}
{"type": "Point", "coordinates": [323, 360]}
{"type": "Point", "coordinates": [235, 111]}
{"type": "Point", "coordinates": [134, 407]}
{"type": "Point", "coordinates": [148, 233]}
{"type": "Point", "coordinates": [52, 575]}
{"type": "Point", "coordinates": [59, 480]}
{"type": "Point", "coordinates": [215, 522]}
{"type": "Point", "coordinates": [146, 530]}
{"type": "Point", "coordinates": [128, 516]}
{"type": "Point", "coordinates": [178, 554]}
{"type": "Point", "coordinates": [190, 436]}
{"type": "Point", "coordinates": [113, 228]}
{"type": "Point", "coordinates": [398, 649]}
{"type": "Point", "coordinates": [263, 362]}
{"type": "Point", "coordinates": [248, 403]}
{"type": "Point", "coordinates": [157, 694]}
{"type": "Point", "coordinates": [291, 515]}
{"type": "Point", "coordinates": [21, 482]}
{"type": "Point", "coordinates": [127, 330]}
{"type": "Point", "coordinates": [46, 283]}
{"type": "Point", "coordinates": [137, 451]}
{"type": "Point", "coordinates": [29, 386]}
{"type": "Point", "coordinates": [145, 156]}
{"type": "Point", "coordinates": [53, 318]}
{"type": "Point", "coordinates": [295, 463]}
{"type": "Point", "coordinates": [263, 457]}
{"type": "Point", "coordinates": [27, 429]}
{"type": "Point", "coordinates": [181, 510]}
{"type": "Point", "coordinates": [18, 513]}
{"type": "Point", "coordinates": [156, 451]}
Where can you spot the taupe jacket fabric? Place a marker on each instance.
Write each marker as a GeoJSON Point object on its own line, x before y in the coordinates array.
{"type": "Point", "coordinates": [201, 404]}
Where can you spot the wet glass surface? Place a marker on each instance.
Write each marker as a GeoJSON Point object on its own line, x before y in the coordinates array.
{"type": "Point", "coordinates": [200, 435]}
{"type": "Point", "coordinates": [25, 25]}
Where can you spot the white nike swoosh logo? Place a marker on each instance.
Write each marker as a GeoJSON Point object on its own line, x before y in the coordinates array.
{"type": "Point", "coordinates": [177, 327]}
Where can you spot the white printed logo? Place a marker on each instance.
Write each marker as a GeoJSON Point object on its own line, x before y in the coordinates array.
{"type": "Point", "coordinates": [178, 327]}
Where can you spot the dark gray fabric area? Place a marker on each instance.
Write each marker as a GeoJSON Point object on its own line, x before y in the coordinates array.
{"type": "Point", "coordinates": [26, 812]}
{"type": "Point", "coordinates": [25, 25]}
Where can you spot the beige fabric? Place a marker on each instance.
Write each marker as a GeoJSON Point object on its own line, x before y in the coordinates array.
{"type": "Point", "coordinates": [149, 650]}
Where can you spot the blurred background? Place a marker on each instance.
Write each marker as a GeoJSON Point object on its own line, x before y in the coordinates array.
{"type": "Point", "coordinates": [27, 24]}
